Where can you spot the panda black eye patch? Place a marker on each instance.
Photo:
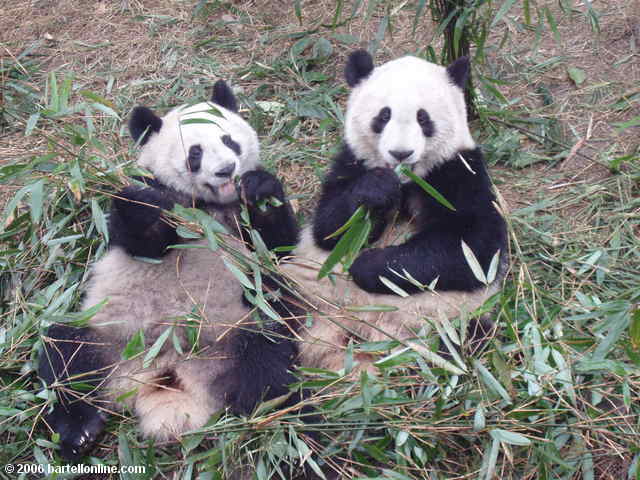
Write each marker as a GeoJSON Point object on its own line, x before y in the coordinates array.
{"type": "Point", "coordinates": [231, 143]}
{"type": "Point", "coordinates": [194, 159]}
{"type": "Point", "coordinates": [424, 120]}
{"type": "Point", "coordinates": [380, 120]}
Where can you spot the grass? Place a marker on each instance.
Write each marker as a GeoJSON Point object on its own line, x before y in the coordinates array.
{"type": "Point", "coordinates": [556, 393]}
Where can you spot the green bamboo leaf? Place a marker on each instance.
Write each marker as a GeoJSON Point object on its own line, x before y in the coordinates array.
{"type": "Point", "coordinates": [577, 75]}
{"type": "Point", "coordinates": [353, 238]}
{"type": "Point", "coordinates": [239, 274]}
{"type": "Point", "coordinates": [393, 287]}
{"type": "Point", "coordinates": [298, 10]}
{"type": "Point", "coordinates": [491, 382]}
{"type": "Point", "coordinates": [434, 358]}
{"type": "Point", "coordinates": [37, 200]}
{"type": "Point", "coordinates": [634, 122]}
{"type": "Point", "coordinates": [479, 420]}
{"type": "Point", "coordinates": [31, 123]}
{"type": "Point", "coordinates": [416, 19]}
{"type": "Point", "coordinates": [493, 267]}
{"type": "Point", "coordinates": [156, 347]}
{"type": "Point", "coordinates": [99, 219]}
{"type": "Point", "coordinates": [97, 99]}
{"type": "Point", "coordinates": [362, 231]}
{"type": "Point", "coordinates": [135, 346]}
{"type": "Point", "coordinates": [191, 121]}
{"type": "Point", "coordinates": [65, 93]}
{"type": "Point", "coordinates": [357, 215]}
{"type": "Point", "coordinates": [54, 99]}
{"type": "Point", "coordinates": [489, 461]}
{"type": "Point", "coordinates": [380, 32]}
{"type": "Point", "coordinates": [473, 263]}
{"type": "Point", "coordinates": [504, 8]}
{"type": "Point", "coordinates": [426, 187]}
{"type": "Point", "coordinates": [552, 24]}
{"type": "Point", "coordinates": [634, 329]}
{"type": "Point", "coordinates": [511, 438]}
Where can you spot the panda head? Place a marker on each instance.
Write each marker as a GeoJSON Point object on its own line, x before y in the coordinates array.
{"type": "Point", "coordinates": [198, 149]}
{"type": "Point", "coordinates": [406, 111]}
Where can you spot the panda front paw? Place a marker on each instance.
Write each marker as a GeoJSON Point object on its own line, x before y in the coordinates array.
{"type": "Point", "coordinates": [141, 207]}
{"type": "Point", "coordinates": [137, 223]}
{"type": "Point", "coordinates": [378, 189]}
{"type": "Point", "coordinates": [260, 186]}
{"type": "Point", "coordinates": [368, 267]}
{"type": "Point", "coordinates": [79, 426]}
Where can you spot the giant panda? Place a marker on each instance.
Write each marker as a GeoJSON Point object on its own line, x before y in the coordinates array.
{"type": "Point", "coordinates": [217, 353]}
{"type": "Point", "coordinates": [407, 112]}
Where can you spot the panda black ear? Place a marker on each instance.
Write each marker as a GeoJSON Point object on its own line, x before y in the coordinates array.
{"type": "Point", "coordinates": [359, 66]}
{"type": "Point", "coordinates": [143, 123]}
{"type": "Point", "coordinates": [223, 96]}
{"type": "Point", "coordinates": [459, 72]}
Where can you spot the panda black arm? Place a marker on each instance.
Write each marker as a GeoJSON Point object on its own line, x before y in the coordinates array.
{"type": "Point", "coordinates": [136, 222]}
{"type": "Point", "coordinates": [276, 225]}
{"type": "Point", "coordinates": [435, 250]}
{"type": "Point", "coordinates": [348, 185]}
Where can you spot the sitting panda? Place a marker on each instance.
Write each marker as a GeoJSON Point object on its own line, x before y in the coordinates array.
{"type": "Point", "coordinates": [407, 112]}
{"type": "Point", "coordinates": [194, 153]}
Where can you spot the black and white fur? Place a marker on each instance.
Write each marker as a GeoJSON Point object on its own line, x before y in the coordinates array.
{"type": "Point", "coordinates": [194, 153]}
{"type": "Point", "coordinates": [412, 112]}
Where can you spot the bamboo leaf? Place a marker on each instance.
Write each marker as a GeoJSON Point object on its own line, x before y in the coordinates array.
{"type": "Point", "coordinates": [427, 187]}
{"type": "Point", "coordinates": [493, 267]}
{"type": "Point", "coordinates": [511, 438]}
{"type": "Point", "coordinates": [357, 215]}
{"type": "Point", "coordinates": [99, 219]}
{"type": "Point", "coordinates": [491, 382]}
{"type": "Point", "coordinates": [156, 347]}
{"type": "Point", "coordinates": [393, 287]}
{"type": "Point", "coordinates": [504, 8]}
{"type": "Point", "coordinates": [239, 274]}
{"type": "Point", "coordinates": [434, 358]}
{"type": "Point", "coordinates": [135, 346]}
{"type": "Point", "coordinates": [473, 263]}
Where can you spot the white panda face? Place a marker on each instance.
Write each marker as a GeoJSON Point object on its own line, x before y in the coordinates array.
{"type": "Point", "coordinates": [199, 150]}
{"type": "Point", "coordinates": [407, 111]}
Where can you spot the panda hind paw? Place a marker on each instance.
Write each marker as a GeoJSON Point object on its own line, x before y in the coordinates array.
{"type": "Point", "coordinates": [79, 426]}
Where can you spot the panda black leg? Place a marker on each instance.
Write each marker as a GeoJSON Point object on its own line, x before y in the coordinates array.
{"type": "Point", "coordinates": [74, 355]}
{"type": "Point", "coordinates": [275, 223]}
{"type": "Point", "coordinates": [79, 425]}
{"type": "Point", "coordinates": [261, 369]}
{"type": "Point", "coordinates": [136, 222]}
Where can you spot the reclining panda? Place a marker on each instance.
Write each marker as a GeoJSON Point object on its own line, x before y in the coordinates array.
{"type": "Point", "coordinates": [406, 112]}
{"type": "Point", "coordinates": [194, 153]}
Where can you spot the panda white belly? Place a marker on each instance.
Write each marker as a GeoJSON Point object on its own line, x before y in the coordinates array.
{"type": "Point", "coordinates": [173, 393]}
{"type": "Point", "coordinates": [335, 320]}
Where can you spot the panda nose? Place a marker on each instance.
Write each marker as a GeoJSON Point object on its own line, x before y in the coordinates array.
{"type": "Point", "coordinates": [226, 171]}
{"type": "Point", "coordinates": [400, 154]}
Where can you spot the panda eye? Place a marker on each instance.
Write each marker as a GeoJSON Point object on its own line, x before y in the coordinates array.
{"type": "Point", "coordinates": [424, 120]}
{"type": "Point", "coordinates": [232, 144]}
{"type": "Point", "coordinates": [380, 120]}
{"type": "Point", "coordinates": [194, 159]}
